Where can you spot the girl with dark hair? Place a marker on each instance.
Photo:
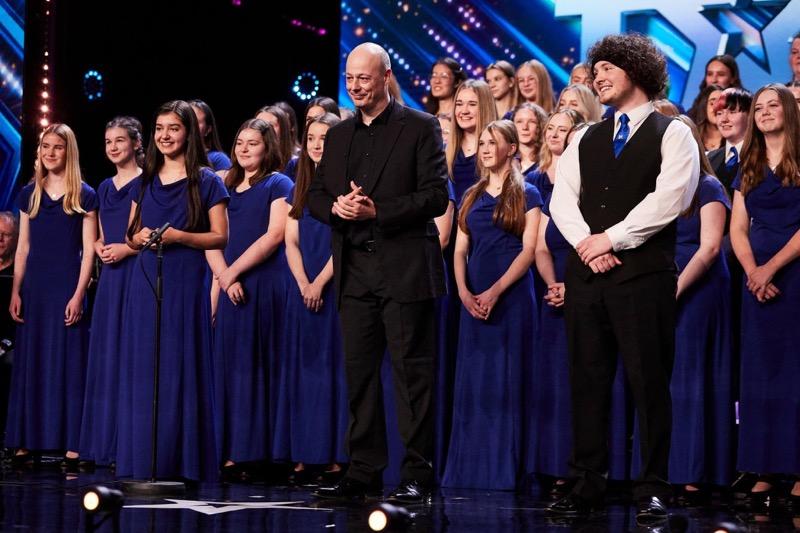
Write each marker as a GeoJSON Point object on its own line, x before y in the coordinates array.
{"type": "Point", "coordinates": [319, 106]}
{"type": "Point", "coordinates": [721, 71]}
{"type": "Point", "coordinates": [502, 81]}
{"type": "Point", "coordinates": [52, 268]}
{"type": "Point", "coordinates": [175, 187]}
{"type": "Point", "coordinates": [281, 125]}
{"type": "Point", "coordinates": [730, 111]}
{"type": "Point", "coordinates": [497, 228]}
{"type": "Point", "coordinates": [704, 117]}
{"type": "Point", "coordinates": [474, 109]}
{"type": "Point", "coordinates": [99, 426]}
{"type": "Point", "coordinates": [529, 120]}
{"type": "Point", "coordinates": [446, 76]}
{"type": "Point", "coordinates": [250, 284]}
{"type": "Point", "coordinates": [208, 131]}
{"type": "Point", "coordinates": [312, 409]}
{"type": "Point", "coordinates": [765, 233]}
{"type": "Point", "coordinates": [293, 128]}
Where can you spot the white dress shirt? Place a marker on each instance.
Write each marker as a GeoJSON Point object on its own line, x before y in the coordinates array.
{"type": "Point", "coordinates": [738, 147]}
{"type": "Point", "coordinates": [675, 186]}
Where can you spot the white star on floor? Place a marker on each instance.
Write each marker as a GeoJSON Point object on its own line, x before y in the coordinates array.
{"type": "Point", "coordinates": [212, 508]}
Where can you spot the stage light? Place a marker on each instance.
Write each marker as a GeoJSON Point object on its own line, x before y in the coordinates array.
{"type": "Point", "coordinates": [729, 527]}
{"type": "Point", "coordinates": [93, 85]}
{"type": "Point", "coordinates": [44, 122]}
{"type": "Point", "coordinates": [306, 86]}
{"type": "Point", "coordinates": [45, 94]}
{"type": "Point", "coordinates": [44, 108]}
{"type": "Point", "coordinates": [386, 517]}
{"type": "Point", "coordinates": [101, 499]}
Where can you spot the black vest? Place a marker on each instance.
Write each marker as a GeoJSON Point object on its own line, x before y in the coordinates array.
{"type": "Point", "coordinates": [611, 187]}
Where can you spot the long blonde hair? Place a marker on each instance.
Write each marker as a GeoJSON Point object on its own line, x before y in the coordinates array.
{"type": "Point", "coordinates": [509, 213]}
{"type": "Point", "coordinates": [588, 100]}
{"type": "Point", "coordinates": [72, 173]}
{"type": "Point", "coordinates": [486, 114]}
{"type": "Point", "coordinates": [545, 155]}
{"type": "Point", "coordinates": [544, 93]}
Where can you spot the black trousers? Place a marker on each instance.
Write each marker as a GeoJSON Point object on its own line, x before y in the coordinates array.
{"type": "Point", "coordinates": [371, 323]}
{"type": "Point", "coordinates": [635, 320]}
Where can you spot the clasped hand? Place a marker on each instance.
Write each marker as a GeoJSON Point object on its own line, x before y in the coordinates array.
{"type": "Point", "coordinates": [759, 283]}
{"type": "Point", "coordinates": [595, 252]}
{"type": "Point", "coordinates": [354, 205]}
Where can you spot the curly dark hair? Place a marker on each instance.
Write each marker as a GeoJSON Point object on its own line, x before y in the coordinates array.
{"type": "Point", "coordinates": [636, 54]}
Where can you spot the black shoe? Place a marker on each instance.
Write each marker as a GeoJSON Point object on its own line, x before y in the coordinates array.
{"type": "Point", "coordinates": [301, 478]}
{"type": "Point", "coordinates": [651, 511]}
{"type": "Point", "coordinates": [572, 505]}
{"type": "Point", "coordinates": [559, 490]}
{"type": "Point", "coordinates": [71, 464]}
{"type": "Point", "coordinates": [330, 477]}
{"type": "Point", "coordinates": [349, 489]}
{"type": "Point", "coordinates": [236, 473]}
{"type": "Point", "coordinates": [410, 492]}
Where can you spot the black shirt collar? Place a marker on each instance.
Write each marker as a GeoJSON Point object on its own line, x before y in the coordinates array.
{"type": "Point", "coordinates": [383, 118]}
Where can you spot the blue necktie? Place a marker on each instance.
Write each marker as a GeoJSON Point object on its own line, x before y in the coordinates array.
{"type": "Point", "coordinates": [622, 134]}
{"type": "Point", "coordinates": [734, 160]}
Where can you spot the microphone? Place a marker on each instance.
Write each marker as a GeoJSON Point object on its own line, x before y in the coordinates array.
{"type": "Point", "coordinates": [156, 235]}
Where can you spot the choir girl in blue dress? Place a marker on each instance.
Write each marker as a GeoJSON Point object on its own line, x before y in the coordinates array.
{"type": "Point", "coordinates": [529, 120]}
{"type": "Point", "coordinates": [502, 81]}
{"type": "Point", "coordinates": [208, 131]}
{"type": "Point", "coordinates": [497, 229]}
{"type": "Point", "coordinates": [52, 268]}
{"type": "Point", "coordinates": [535, 84]}
{"type": "Point", "coordinates": [446, 76]}
{"type": "Point", "coordinates": [250, 276]}
{"type": "Point", "coordinates": [123, 141]}
{"type": "Point", "coordinates": [279, 120]}
{"type": "Point", "coordinates": [312, 413]}
{"type": "Point", "coordinates": [473, 110]}
{"type": "Point", "coordinates": [175, 187]}
{"type": "Point", "coordinates": [556, 129]}
{"type": "Point", "coordinates": [702, 389]}
{"type": "Point", "coordinates": [765, 233]}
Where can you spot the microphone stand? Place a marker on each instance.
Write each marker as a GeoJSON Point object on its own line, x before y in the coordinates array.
{"type": "Point", "coordinates": [153, 487]}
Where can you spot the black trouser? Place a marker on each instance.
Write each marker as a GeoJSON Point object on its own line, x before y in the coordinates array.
{"type": "Point", "coordinates": [371, 322]}
{"type": "Point", "coordinates": [635, 319]}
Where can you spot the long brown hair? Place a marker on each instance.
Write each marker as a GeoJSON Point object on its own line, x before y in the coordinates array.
{"type": "Point", "coordinates": [72, 173]}
{"type": "Point", "coordinates": [487, 112]}
{"type": "Point", "coordinates": [544, 92]}
{"type": "Point", "coordinates": [285, 139]}
{"type": "Point", "coordinates": [195, 159]}
{"type": "Point", "coordinates": [509, 213]}
{"type": "Point", "coordinates": [508, 70]}
{"type": "Point", "coordinates": [269, 164]}
{"type": "Point", "coordinates": [754, 149]}
{"type": "Point", "coordinates": [705, 165]}
{"type": "Point", "coordinates": [305, 166]}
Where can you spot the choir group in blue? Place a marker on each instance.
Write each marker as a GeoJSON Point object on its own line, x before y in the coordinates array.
{"type": "Point", "coordinates": [255, 372]}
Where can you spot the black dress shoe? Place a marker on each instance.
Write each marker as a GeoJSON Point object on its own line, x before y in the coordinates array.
{"type": "Point", "coordinates": [349, 489]}
{"type": "Point", "coordinates": [651, 510]}
{"type": "Point", "coordinates": [572, 505]}
{"type": "Point", "coordinates": [410, 492]}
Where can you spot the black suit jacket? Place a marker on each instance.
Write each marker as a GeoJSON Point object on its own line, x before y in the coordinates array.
{"type": "Point", "coordinates": [725, 175]}
{"type": "Point", "coordinates": [408, 183]}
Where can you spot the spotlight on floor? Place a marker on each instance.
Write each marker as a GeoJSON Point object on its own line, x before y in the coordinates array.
{"type": "Point", "coordinates": [99, 500]}
{"type": "Point", "coordinates": [386, 517]}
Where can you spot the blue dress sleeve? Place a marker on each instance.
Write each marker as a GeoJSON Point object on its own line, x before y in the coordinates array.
{"type": "Point", "coordinates": [290, 196]}
{"type": "Point", "coordinates": [215, 191]}
{"type": "Point", "coordinates": [711, 190]}
{"type": "Point", "coordinates": [737, 181]}
{"type": "Point", "coordinates": [24, 197]}
{"type": "Point", "coordinates": [451, 191]}
{"type": "Point", "coordinates": [89, 199]}
{"type": "Point", "coordinates": [281, 188]}
{"type": "Point", "coordinates": [218, 160]}
{"type": "Point", "coordinates": [291, 168]}
{"type": "Point", "coordinates": [532, 197]}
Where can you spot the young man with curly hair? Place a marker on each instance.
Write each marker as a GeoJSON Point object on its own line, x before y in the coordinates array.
{"type": "Point", "coordinates": [620, 186]}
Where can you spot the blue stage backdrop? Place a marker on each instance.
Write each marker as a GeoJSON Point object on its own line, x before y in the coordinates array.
{"type": "Point", "coordinates": [558, 33]}
{"type": "Point", "coordinates": [12, 33]}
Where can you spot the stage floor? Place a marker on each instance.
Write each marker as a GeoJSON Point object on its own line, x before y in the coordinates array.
{"type": "Point", "coordinates": [46, 500]}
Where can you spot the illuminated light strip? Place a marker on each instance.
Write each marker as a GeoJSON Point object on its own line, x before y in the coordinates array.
{"type": "Point", "coordinates": [10, 78]}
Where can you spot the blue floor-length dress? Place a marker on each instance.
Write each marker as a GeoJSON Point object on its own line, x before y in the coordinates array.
{"type": "Point", "coordinates": [248, 336]}
{"type": "Point", "coordinates": [702, 446]}
{"type": "Point", "coordinates": [99, 425]}
{"type": "Point", "coordinates": [186, 442]}
{"type": "Point", "coordinates": [312, 407]}
{"type": "Point", "coordinates": [47, 381]}
{"type": "Point", "coordinates": [551, 442]}
{"type": "Point", "coordinates": [490, 433]}
{"type": "Point", "coordinates": [769, 405]}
